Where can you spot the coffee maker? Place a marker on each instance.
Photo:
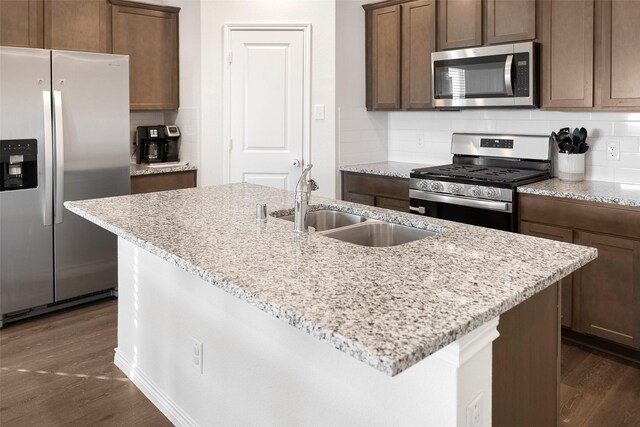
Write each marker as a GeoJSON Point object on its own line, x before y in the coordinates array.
{"type": "Point", "coordinates": [157, 144]}
{"type": "Point", "coordinates": [18, 164]}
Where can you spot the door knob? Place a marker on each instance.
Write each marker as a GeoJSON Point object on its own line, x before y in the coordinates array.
{"type": "Point", "coordinates": [295, 163]}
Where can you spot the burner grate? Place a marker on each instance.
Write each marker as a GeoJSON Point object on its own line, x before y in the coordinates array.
{"type": "Point", "coordinates": [479, 173]}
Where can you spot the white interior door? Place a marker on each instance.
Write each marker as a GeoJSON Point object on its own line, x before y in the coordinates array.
{"type": "Point", "coordinates": [267, 106]}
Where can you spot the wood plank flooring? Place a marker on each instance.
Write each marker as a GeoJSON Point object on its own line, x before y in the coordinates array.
{"type": "Point", "coordinates": [57, 370]}
{"type": "Point", "coordinates": [597, 389]}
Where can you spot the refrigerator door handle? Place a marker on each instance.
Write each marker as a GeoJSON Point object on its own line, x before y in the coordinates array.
{"type": "Point", "coordinates": [59, 134]}
{"type": "Point", "coordinates": [48, 159]}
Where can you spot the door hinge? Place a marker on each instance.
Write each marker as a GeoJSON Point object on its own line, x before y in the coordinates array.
{"type": "Point", "coordinates": [230, 57]}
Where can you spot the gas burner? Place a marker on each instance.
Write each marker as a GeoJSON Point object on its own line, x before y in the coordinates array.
{"type": "Point", "coordinates": [477, 173]}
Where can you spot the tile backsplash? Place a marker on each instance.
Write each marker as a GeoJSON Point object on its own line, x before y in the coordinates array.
{"type": "Point", "coordinates": [425, 137]}
{"type": "Point", "coordinates": [362, 136]}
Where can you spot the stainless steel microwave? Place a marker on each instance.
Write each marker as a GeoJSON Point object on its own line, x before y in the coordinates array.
{"type": "Point", "coordinates": [492, 76]}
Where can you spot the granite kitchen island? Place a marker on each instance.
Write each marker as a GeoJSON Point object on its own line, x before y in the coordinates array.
{"type": "Point", "coordinates": [303, 329]}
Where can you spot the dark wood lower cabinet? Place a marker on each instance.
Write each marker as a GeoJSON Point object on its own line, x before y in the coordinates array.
{"type": "Point", "coordinates": [566, 285]}
{"type": "Point", "coordinates": [163, 182]}
{"type": "Point", "coordinates": [609, 295]}
{"type": "Point", "coordinates": [375, 190]}
{"type": "Point", "coordinates": [604, 300]}
{"type": "Point", "coordinates": [526, 363]}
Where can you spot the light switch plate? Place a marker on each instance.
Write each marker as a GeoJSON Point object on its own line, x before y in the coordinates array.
{"type": "Point", "coordinates": [318, 111]}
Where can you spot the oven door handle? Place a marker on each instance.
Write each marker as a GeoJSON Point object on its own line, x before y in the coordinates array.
{"type": "Point", "coordinates": [507, 75]}
{"type": "Point", "coordinates": [462, 201]}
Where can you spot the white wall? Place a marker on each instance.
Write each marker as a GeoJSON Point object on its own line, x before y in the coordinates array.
{"type": "Point", "coordinates": [321, 15]}
{"type": "Point", "coordinates": [361, 135]}
{"type": "Point", "coordinates": [436, 127]}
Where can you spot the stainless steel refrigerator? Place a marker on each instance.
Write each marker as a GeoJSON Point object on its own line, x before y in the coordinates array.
{"type": "Point", "coordinates": [74, 106]}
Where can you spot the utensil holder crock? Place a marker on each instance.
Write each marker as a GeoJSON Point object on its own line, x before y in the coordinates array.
{"type": "Point", "coordinates": [571, 167]}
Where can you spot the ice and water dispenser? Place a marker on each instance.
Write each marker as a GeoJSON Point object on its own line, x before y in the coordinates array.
{"type": "Point", "coordinates": [18, 164]}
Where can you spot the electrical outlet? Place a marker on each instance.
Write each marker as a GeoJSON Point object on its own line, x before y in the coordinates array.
{"type": "Point", "coordinates": [613, 150]}
{"type": "Point", "coordinates": [474, 412]}
{"type": "Point", "coordinates": [196, 355]}
{"type": "Point", "coordinates": [420, 141]}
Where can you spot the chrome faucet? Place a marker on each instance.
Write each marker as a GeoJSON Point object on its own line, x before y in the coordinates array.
{"type": "Point", "coordinates": [304, 188]}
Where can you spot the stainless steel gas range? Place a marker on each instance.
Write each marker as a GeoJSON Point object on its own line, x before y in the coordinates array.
{"type": "Point", "coordinates": [479, 187]}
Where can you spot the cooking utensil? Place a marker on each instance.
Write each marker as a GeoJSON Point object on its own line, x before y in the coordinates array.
{"type": "Point", "coordinates": [583, 134]}
{"type": "Point", "coordinates": [583, 148]}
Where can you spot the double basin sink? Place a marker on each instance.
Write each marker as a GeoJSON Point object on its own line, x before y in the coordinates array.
{"type": "Point", "coordinates": [361, 230]}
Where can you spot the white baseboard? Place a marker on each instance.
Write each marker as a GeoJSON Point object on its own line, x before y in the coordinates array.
{"type": "Point", "coordinates": [172, 411]}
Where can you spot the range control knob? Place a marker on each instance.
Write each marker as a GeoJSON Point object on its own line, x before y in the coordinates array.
{"type": "Point", "coordinates": [422, 185]}
{"type": "Point", "coordinates": [475, 192]}
{"type": "Point", "coordinates": [492, 193]}
{"type": "Point", "coordinates": [455, 188]}
{"type": "Point", "coordinates": [436, 186]}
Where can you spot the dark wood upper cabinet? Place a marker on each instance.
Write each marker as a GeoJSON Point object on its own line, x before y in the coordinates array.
{"type": "Point", "coordinates": [459, 24]}
{"type": "Point", "coordinates": [567, 53]}
{"type": "Point", "coordinates": [510, 20]}
{"type": "Point", "coordinates": [400, 38]}
{"type": "Point", "coordinates": [418, 41]}
{"type": "Point", "coordinates": [77, 25]}
{"type": "Point", "coordinates": [617, 54]}
{"type": "Point", "coordinates": [383, 59]}
{"type": "Point", "coordinates": [80, 25]}
{"type": "Point", "coordinates": [149, 35]}
{"type": "Point", "coordinates": [609, 289]}
{"type": "Point", "coordinates": [21, 23]}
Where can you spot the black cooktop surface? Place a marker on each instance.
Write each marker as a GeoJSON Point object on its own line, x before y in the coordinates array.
{"type": "Point", "coordinates": [477, 173]}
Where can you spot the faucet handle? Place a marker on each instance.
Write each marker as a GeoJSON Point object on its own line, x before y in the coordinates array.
{"type": "Point", "coordinates": [313, 185]}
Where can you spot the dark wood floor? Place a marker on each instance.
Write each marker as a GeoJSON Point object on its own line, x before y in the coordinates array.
{"type": "Point", "coordinates": [57, 370]}
{"type": "Point", "coordinates": [597, 389]}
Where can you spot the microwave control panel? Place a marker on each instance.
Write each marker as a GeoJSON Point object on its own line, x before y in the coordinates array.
{"type": "Point", "coordinates": [522, 63]}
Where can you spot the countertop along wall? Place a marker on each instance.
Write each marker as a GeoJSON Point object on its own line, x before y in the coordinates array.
{"type": "Point", "coordinates": [435, 127]}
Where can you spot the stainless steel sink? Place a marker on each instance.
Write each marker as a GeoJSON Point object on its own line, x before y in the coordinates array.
{"type": "Point", "coordinates": [325, 219]}
{"type": "Point", "coordinates": [379, 234]}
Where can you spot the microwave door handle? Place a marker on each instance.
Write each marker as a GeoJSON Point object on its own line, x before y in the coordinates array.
{"type": "Point", "coordinates": [507, 75]}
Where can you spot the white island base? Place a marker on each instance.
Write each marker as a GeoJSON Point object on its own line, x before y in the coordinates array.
{"type": "Point", "coordinates": [258, 370]}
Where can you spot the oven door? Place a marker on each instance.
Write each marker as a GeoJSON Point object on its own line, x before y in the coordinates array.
{"type": "Point", "coordinates": [485, 213]}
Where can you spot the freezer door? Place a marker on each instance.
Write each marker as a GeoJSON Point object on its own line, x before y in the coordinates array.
{"type": "Point", "coordinates": [26, 233]}
{"type": "Point", "coordinates": [91, 116]}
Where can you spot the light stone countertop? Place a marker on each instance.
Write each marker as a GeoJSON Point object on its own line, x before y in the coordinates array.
{"type": "Point", "coordinates": [592, 191]}
{"type": "Point", "coordinates": [387, 307]}
{"type": "Point", "coordinates": [390, 169]}
{"type": "Point", "coordinates": [137, 170]}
